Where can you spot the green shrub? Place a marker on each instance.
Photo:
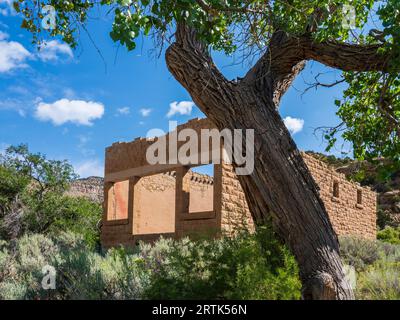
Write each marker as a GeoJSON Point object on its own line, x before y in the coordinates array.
{"type": "Point", "coordinates": [384, 219]}
{"type": "Point", "coordinates": [23, 271]}
{"type": "Point", "coordinates": [80, 272]}
{"type": "Point", "coordinates": [11, 184]}
{"type": "Point", "coordinates": [379, 282]}
{"type": "Point", "coordinates": [84, 274]}
{"type": "Point", "coordinates": [4, 260]}
{"type": "Point", "coordinates": [244, 267]}
{"type": "Point", "coordinates": [12, 291]}
{"type": "Point", "coordinates": [359, 253]}
{"type": "Point", "coordinates": [390, 235]}
{"type": "Point", "coordinates": [218, 269]}
{"type": "Point", "coordinates": [378, 267]}
{"type": "Point", "coordinates": [55, 214]}
{"type": "Point", "coordinates": [32, 198]}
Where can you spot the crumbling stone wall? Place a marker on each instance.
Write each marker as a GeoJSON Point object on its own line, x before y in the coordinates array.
{"type": "Point", "coordinates": [235, 214]}
{"type": "Point", "coordinates": [201, 192]}
{"type": "Point", "coordinates": [197, 223]}
{"type": "Point", "coordinates": [154, 205]}
{"type": "Point", "coordinates": [352, 210]}
{"type": "Point", "coordinates": [173, 201]}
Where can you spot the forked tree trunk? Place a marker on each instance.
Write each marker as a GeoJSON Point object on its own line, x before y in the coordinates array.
{"type": "Point", "coordinates": [281, 185]}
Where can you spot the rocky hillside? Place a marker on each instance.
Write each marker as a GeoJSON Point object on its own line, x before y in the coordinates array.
{"type": "Point", "coordinates": [91, 188]}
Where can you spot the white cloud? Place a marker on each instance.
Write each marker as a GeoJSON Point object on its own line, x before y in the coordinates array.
{"type": "Point", "coordinates": [124, 111]}
{"type": "Point", "coordinates": [182, 108]}
{"type": "Point", "coordinates": [3, 35]}
{"type": "Point", "coordinates": [294, 125]}
{"type": "Point", "coordinates": [89, 168]}
{"type": "Point", "coordinates": [21, 106]}
{"type": "Point", "coordinates": [83, 140]}
{"type": "Point", "coordinates": [69, 93]}
{"type": "Point", "coordinates": [6, 7]}
{"type": "Point", "coordinates": [145, 112]}
{"type": "Point", "coordinates": [82, 146]}
{"type": "Point", "coordinates": [3, 147]}
{"type": "Point", "coordinates": [75, 111]}
{"type": "Point", "coordinates": [13, 55]}
{"type": "Point", "coordinates": [10, 104]}
{"type": "Point", "coordinates": [3, 25]}
{"type": "Point", "coordinates": [19, 90]}
{"type": "Point", "coordinates": [54, 50]}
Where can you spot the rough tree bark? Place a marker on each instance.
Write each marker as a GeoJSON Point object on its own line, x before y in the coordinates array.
{"type": "Point", "coordinates": [281, 185]}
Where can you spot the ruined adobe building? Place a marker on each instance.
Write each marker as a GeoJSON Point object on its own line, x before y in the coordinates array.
{"type": "Point", "coordinates": [142, 201]}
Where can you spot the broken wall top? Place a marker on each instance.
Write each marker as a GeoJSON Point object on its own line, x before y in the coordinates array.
{"type": "Point", "coordinates": [123, 157]}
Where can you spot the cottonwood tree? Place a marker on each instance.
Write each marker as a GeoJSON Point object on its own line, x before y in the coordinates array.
{"type": "Point", "coordinates": [284, 35]}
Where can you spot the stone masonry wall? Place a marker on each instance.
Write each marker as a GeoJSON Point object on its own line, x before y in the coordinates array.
{"type": "Point", "coordinates": [347, 216]}
{"type": "Point", "coordinates": [235, 214]}
{"type": "Point", "coordinates": [154, 203]}
{"type": "Point", "coordinates": [201, 204]}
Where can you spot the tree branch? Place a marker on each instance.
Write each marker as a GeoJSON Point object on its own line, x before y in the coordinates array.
{"type": "Point", "coordinates": [286, 56]}
{"type": "Point", "coordinates": [346, 57]}
{"type": "Point", "coordinates": [318, 83]}
{"type": "Point", "coordinates": [190, 63]}
{"type": "Point", "coordinates": [278, 67]}
{"type": "Point", "coordinates": [215, 11]}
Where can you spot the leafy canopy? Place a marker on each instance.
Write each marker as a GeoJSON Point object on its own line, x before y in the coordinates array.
{"type": "Point", "coordinates": [224, 25]}
{"type": "Point", "coordinates": [370, 109]}
{"type": "Point", "coordinates": [33, 198]}
{"type": "Point", "coordinates": [47, 175]}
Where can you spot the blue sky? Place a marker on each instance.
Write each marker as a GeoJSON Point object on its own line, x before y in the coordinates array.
{"type": "Point", "coordinates": [73, 104]}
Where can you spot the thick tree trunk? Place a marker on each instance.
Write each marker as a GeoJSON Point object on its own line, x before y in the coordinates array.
{"type": "Point", "coordinates": [281, 184]}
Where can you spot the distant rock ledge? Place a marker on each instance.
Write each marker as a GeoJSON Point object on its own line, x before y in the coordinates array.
{"type": "Point", "coordinates": [90, 188]}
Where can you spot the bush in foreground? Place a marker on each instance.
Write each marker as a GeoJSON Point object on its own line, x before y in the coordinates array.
{"type": "Point", "coordinates": [377, 265]}
{"type": "Point", "coordinates": [390, 235]}
{"type": "Point", "coordinates": [217, 269]}
{"type": "Point", "coordinates": [225, 268]}
{"type": "Point", "coordinates": [81, 273]}
{"type": "Point", "coordinates": [246, 267]}
{"type": "Point", "coordinates": [380, 282]}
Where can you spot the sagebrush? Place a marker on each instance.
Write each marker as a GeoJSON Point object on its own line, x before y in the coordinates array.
{"type": "Point", "coordinates": [216, 269]}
